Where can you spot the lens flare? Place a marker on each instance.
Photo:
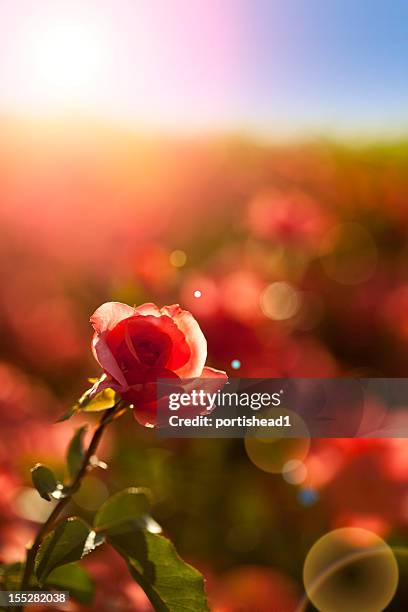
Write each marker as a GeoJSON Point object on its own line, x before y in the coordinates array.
{"type": "Point", "coordinates": [235, 364]}
{"type": "Point", "coordinates": [273, 453]}
{"type": "Point", "coordinates": [178, 258]}
{"type": "Point", "coordinates": [280, 301]}
{"type": "Point", "coordinates": [60, 60]}
{"type": "Point", "coordinates": [307, 497]}
{"type": "Point", "coordinates": [350, 569]}
{"type": "Point", "coordinates": [294, 472]}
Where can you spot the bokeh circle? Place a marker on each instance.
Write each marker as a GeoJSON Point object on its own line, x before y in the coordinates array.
{"type": "Point", "coordinates": [272, 453]}
{"type": "Point", "coordinates": [350, 569]}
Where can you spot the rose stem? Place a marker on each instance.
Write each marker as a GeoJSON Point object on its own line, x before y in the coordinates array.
{"type": "Point", "coordinates": [32, 551]}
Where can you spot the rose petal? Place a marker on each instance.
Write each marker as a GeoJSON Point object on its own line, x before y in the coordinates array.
{"type": "Point", "coordinates": [144, 396]}
{"type": "Point", "coordinates": [148, 309]}
{"type": "Point", "coordinates": [194, 338]}
{"type": "Point", "coordinates": [110, 314]}
{"type": "Point", "coordinates": [161, 332]}
{"type": "Point", "coordinates": [180, 350]}
{"type": "Point", "coordinates": [216, 379]}
{"type": "Point", "coordinates": [213, 373]}
{"type": "Point", "coordinates": [106, 360]}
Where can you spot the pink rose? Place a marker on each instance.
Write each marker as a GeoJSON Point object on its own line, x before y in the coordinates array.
{"type": "Point", "coordinates": [137, 346]}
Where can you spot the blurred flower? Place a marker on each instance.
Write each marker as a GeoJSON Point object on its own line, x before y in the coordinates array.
{"type": "Point", "coordinates": [361, 478]}
{"type": "Point", "coordinates": [14, 537]}
{"type": "Point", "coordinates": [9, 484]}
{"type": "Point", "coordinates": [371, 522]}
{"type": "Point", "coordinates": [290, 216]}
{"type": "Point", "coordinates": [28, 409]}
{"type": "Point", "coordinates": [239, 294]}
{"type": "Point", "coordinates": [49, 320]}
{"type": "Point", "coordinates": [153, 265]}
{"type": "Point", "coordinates": [249, 588]}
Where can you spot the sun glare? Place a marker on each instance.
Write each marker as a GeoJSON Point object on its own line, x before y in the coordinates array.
{"type": "Point", "coordinates": [124, 60]}
{"type": "Point", "coordinates": [62, 63]}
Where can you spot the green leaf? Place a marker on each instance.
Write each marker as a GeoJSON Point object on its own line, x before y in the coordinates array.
{"type": "Point", "coordinates": [127, 507]}
{"type": "Point", "coordinates": [170, 584]}
{"type": "Point", "coordinates": [44, 481]}
{"type": "Point", "coordinates": [75, 579]}
{"type": "Point", "coordinates": [70, 541]}
{"type": "Point", "coordinates": [101, 401]}
{"type": "Point", "coordinates": [68, 414]}
{"type": "Point", "coordinates": [75, 453]}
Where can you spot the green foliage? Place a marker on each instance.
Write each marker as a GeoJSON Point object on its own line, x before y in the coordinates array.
{"type": "Point", "coordinates": [171, 584]}
{"type": "Point", "coordinates": [71, 577]}
{"type": "Point", "coordinates": [75, 453]}
{"type": "Point", "coordinates": [45, 482]}
{"type": "Point", "coordinates": [123, 520]}
{"type": "Point", "coordinates": [70, 541]}
{"type": "Point", "coordinates": [126, 507]}
{"type": "Point", "coordinates": [75, 579]}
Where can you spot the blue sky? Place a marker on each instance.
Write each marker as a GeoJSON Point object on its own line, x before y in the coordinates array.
{"type": "Point", "coordinates": [328, 64]}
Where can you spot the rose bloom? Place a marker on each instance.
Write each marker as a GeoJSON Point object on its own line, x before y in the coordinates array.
{"type": "Point", "coordinates": [138, 346]}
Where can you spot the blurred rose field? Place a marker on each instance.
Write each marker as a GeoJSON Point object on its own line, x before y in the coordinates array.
{"type": "Point", "coordinates": [293, 258]}
{"type": "Point", "coordinates": [247, 160]}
